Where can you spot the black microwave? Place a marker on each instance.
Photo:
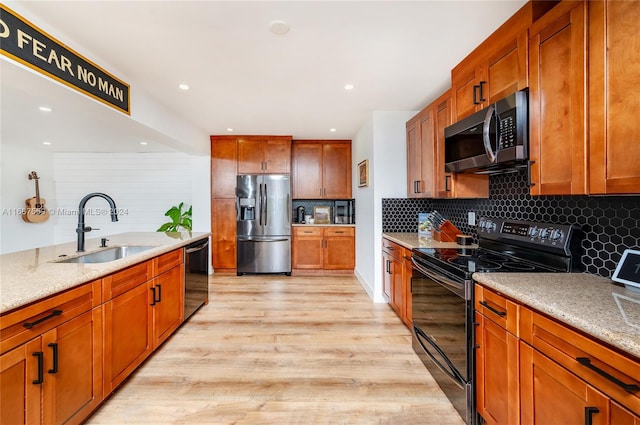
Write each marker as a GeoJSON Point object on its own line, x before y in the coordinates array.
{"type": "Point", "coordinates": [493, 140]}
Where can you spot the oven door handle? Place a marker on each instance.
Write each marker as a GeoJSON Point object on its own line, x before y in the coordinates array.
{"type": "Point", "coordinates": [453, 286]}
{"type": "Point", "coordinates": [449, 369]}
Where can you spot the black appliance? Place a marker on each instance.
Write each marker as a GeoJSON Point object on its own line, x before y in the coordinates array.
{"type": "Point", "coordinates": [442, 294]}
{"type": "Point", "coordinates": [300, 214]}
{"type": "Point", "coordinates": [196, 276]}
{"type": "Point", "coordinates": [344, 212]}
{"type": "Point", "coordinates": [493, 140]}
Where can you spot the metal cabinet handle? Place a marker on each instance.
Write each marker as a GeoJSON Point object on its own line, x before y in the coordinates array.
{"type": "Point", "coordinates": [40, 356]}
{"type": "Point", "coordinates": [447, 179]}
{"type": "Point", "coordinates": [54, 349]}
{"type": "Point", "coordinates": [493, 310]}
{"type": "Point", "coordinates": [53, 314]}
{"type": "Point", "coordinates": [475, 96]}
{"type": "Point", "coordinates": [529, 182]}
{"type": "Point", "coordinates": [154, 295]}
{"type": "Point", "coordinates": [159, 293]}
{"type": "Point", "coordinates": [588, 414]}
{"type": "Point", "coordinates": [482, 83]}
{"type": "Point", "coordinates": [586, 362]}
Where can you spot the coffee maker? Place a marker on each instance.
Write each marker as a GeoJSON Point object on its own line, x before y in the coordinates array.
{"type": "Point", "coordinates": [300, 214]}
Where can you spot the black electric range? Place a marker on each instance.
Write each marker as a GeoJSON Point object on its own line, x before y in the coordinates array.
{"type": "Point", "coordinates": [509, 246]}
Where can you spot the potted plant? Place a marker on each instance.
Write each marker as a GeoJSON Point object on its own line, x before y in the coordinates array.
{"type": "Point", "coordinates": [179, 219]}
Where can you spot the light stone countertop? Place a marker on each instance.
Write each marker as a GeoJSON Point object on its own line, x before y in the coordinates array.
{"type": "Point", "coordinates": [589, 303]}
{"type": "Point", "coordinates": [323, 225]}
{"type": "Point", "coordinates": [412, 240]}
{"type": "Point", "coordinates": [30, 275]}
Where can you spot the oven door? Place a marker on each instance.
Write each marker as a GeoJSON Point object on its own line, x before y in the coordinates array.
{"type": "Point", "coordinates": [442, 332]}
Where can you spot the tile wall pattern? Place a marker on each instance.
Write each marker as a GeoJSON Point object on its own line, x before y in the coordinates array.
{"type": "Point", "coordinates": [610, 223]}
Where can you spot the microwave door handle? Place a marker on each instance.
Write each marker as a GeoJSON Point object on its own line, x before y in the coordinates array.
{"type": "Point", "coordinates": [485, 133]}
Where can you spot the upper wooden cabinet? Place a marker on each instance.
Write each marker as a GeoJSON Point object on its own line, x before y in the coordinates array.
{"type": "Point", "coordinates": [558, 127]}
{"type": "Point", "coordinates": [224, 166]}
{"type": "Point", "coordinates": [264, 154]}
{"type": "Point", "coordinates": [497, 67]}
{"type": "Point", "coordinates": [614, 103]}
{"type": "Point", "coordinates": [426, 176]}
{"type": "Point", "coordinates": [321, 169]}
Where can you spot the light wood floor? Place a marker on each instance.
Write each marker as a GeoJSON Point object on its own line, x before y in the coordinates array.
{"type": "Point", "coordinates": [284, 350]}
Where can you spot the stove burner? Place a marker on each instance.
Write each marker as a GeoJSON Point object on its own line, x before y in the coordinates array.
{"type": "Point", "coordinates": [492, 257]}
{"type": "Point", "coordinates": [518, 266]}
{"type": "Point", "coordinates": [473, 264]}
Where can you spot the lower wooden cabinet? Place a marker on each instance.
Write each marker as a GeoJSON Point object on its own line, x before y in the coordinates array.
{"type": "Point", "coordinates": [396, 279]}
{"type": "Point", "coordinates": [531, 369]}
{"type": "Point", "coordinates": [168, 304]}
{"type": "Point", "coordinates": [323, 248]}
{"type": "Point", "coordinates": [55, 378]}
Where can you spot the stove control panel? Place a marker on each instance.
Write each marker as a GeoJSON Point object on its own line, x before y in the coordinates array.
{"type": "Point", "coordinates": [553, 237]}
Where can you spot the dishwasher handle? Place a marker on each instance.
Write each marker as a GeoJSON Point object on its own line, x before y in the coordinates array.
{"type": "Point", "coordinates": [197, 248]}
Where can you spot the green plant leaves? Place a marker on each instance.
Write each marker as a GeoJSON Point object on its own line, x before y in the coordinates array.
{"type": "Point", "coordinates": [179, 219]}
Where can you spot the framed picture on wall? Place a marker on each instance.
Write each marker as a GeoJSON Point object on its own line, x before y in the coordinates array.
{"type": "Point", "coordinates": [363, 173]}
{"type": "Point", "coordinates": [322, 215]}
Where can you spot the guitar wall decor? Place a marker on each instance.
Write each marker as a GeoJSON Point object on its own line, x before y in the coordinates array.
{"type": "Point", "coordinates": [35, 211]}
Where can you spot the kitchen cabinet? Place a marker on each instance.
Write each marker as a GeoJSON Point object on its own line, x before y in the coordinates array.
{"type": "Point", "coordinates": [614, 75]}
{"type": "Point", "coordinates": [145, 308]}
{"type": "Point", "coordinates": [396, 279]}
{"type": "Point", "coordinates": [563, 376]}
{"type": "Point", "coordinates": [51, 361]}
{"type": "Point", "coordinates": [497, 354]}
{"type": "Point", "coordinates": [224, 167]}
{"type": "Point", "coordinates": [323, 248]}
{"type": "Point", "coordinates": [497, 67]}
{"type": "Point", "coordinates": [557, 108]}
{"type": "Point", "coordinates": [426, 176]}
{"type": "Point", "coordinates": [264, 154]}
{"type": "Point", "coordinates": [321, 169]}
{"type": "Point", "coordinates": [223, 234]}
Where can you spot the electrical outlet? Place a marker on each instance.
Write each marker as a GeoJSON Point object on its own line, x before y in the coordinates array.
{"type": "Point", "coordinates": [472, 218]}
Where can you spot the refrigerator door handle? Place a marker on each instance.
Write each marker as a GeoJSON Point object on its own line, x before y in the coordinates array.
{"type": "Point", "coordinates": [266, 205]}
{"type": "Point", "coordinates": [260, 205]}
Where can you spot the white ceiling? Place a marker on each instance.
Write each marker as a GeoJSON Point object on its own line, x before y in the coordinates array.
{"type": "Point", "coordinates": [397, 54]}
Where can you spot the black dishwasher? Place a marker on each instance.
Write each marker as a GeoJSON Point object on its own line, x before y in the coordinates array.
{"type": "Point", "coordinates": [196, 276]}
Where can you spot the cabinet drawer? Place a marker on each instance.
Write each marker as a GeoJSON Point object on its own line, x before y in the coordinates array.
{"type": "Point", "coordinates": [168, 261]}
{"type": "Point", "coordinates": [497, 308]}
{"type": "Point", "coordinates": [33, 320]}
{"type": "Point", "coordinates": [339, 231]}
{"type": "Point", "coordinates": [392, 248]}
{"type": "Point", "coordinates": [307, 231]}
{"type": "Point", "coordinates": [120, 282]}
{"type": "Point", "coordinates": [611, 372]}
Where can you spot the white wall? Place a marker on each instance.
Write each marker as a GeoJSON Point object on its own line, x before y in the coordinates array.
{"type": "Point", "coordinates": [382, 140]}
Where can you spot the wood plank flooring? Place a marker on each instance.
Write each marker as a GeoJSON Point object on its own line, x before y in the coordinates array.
{"type": "Point", "coordinates": [284, 350]}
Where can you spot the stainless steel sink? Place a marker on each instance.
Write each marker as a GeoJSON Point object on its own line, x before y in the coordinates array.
{"type": "Point", "coordinates": [109, 254]}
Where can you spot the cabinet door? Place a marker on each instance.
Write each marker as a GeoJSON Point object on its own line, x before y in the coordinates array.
{"type": "Point", "coordinates": [614, 104]}
{"type": "Point", "coordinates": [251, 156]}
{"type": "Point", "coordinates": [168, 305]}
{"type": "Point", "coordinates": [223, 233]}
{"type": "Point", "coordinates": [308, 252]}
{"type": "Point", "coordinates": [72, 386]}
{"type": "Point", "coordinates": [386, 275]}
{"type": "Point", "coordinates": [622, 416]}
{"type": "Point", "coordinates": [497, 377]}
{"type": "Point", "coordinates": [552, 395]}
{"type": "Point", "coordinates": [127, 334]}
{"type": "Point", "coordinates": [307, 170]}
{"type": "Point", "coordinates": [277, 156]}
{"type": "Point", "coordinates": [506, 70]}
{"type": "Point", "coordinates": [224, 157]}
{"type": "Point", "coordinates": [339, 249]}
{"type": "Point", "coordinates": [557, 102]}
{"type": "Point", "coordinates": [427, 135]}
{"type": "Point", "coordinates": [397, 287]}
{"type": "Point", "coordinates": [336, 170]}
{"type": "Point", "coordinates": [407, 272]}
{"type": "Point", "coordinates": [465, 90]}
{"type": "Point", "coordinates": [19, 396]}
{"type": "Point", "coordinates": [414, 158]}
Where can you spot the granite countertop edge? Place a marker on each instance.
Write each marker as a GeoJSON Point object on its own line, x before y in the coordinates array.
{"type": "Point", "coordinates": [589, 303]}
{"type": "Point", "coordinates": [31, 275]}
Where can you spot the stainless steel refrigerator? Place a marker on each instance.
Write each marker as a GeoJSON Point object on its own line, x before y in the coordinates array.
{"type": "Point", "coordinates": [263, 223]}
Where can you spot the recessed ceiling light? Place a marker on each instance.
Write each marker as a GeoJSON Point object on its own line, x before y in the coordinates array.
{"type": "Point", "coordinates": [348, 87]}
{"type": "Point", "coordinates": [45, 109]}
{"type": "Point", "coordinates": [333, 130]}
{"type": "Point", "coordinates": [279, 27]}
{"type": "Point", "coordinates": [183, 86]}
{"type": "Point", "coordinates": [144, 143]}
{"type": "Point", "coordinates": [229, 129]}
{"type": "Point", "coordinates": [46, 143]}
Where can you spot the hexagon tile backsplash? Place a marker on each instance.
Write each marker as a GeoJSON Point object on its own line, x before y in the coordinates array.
{"type": "Point", "coordinates": [610, 224]}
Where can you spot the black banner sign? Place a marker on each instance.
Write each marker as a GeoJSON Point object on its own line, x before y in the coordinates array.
{"type": "Point", "coordinates": [25, 43]}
